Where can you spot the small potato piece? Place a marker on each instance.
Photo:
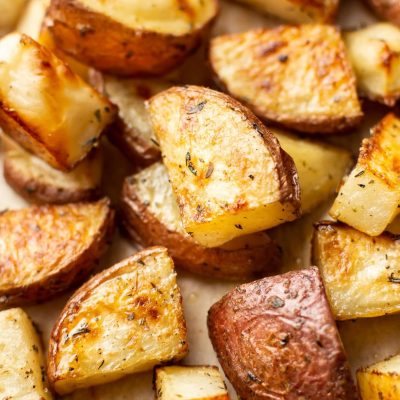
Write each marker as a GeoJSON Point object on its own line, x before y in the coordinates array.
{"type": "Point", "coordinates": [126, 319]}
{"type": "Point", "coordinates": [137, 37]}
{"type": "Point", "coordinates": [370, 197]}
{"type": "Point", "coordinates": [374, 52]}
{"type": "Point", "coordinates": [380, 381]}
{"type": "Point", "coordinates": [298, 11]}
{"type": "Point", "coordinates": [45, 107]}
{"type": "Point", "coordinates": [189, 383]}
{"type": "Point", "coordinates": [32, 19]}
{"type": "Point", "coordinates": [298, 76]}
{"type": "Point", "coordinates": [45, 250]}
{"type": "Point", "coordinates": [10, 12]}
{"type": "Point", "coordinates": [229, 174]}
{"type": "Point", "coordinates": [276, 339]}
{"type": "Point", "coordinates": [387, 9]}
{"type": "Point", "coordinates": [151, 217]}
{"type": "Point", "coordinates": [22, 373]}
{"type": "Point", "coordinates": [360, 272]}
{"type": "Point", "coordinates": [316, 184]}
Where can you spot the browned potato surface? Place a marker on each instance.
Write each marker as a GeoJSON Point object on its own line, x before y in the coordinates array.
{"type": "Point", "coordinates": [387, 9]}
{"type": "Point", "coordinates": [276, 339]}
{"type": "Point", "coordinates": [137, 37]}
{"type": "Point", "coordinates": [151, 217]}
{"type": "Point", "coordinates": [298, 76]}
{"type": "Point", "coordinates": [126, 319]}
{"type": "Point", "coordinates": [45, 250]}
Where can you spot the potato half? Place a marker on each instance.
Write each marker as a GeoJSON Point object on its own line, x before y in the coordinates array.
{"type": "Point", "coordinates": [370, 197]}
{"type": "Point", "coordinates": [229, 174]}
{"type": "Point", "coordinates": [151, 217]}
{"type": "Point", "coordinates": [380, 381]}
{"type": "Point", "coordinates": [387, 9]}
{"type": "Point", "coordinates": [126, 319]}
{"type": "Point", "coordinates": [276, 339]}
{"type": "Point", "coordinates": [374, 52]}
{"type": "Point", "coordinates": [298, 76]}
{"type": "Point", "coordinates": [137, 37]}
{"type": "Point", "coordinates": [45, 250]}
{"type": "Point", "coordinates": [45, 107]}
{"type": "Point", "coordinates": [22, 372]}
{"type": "Point", "coordinates": [202, 382]}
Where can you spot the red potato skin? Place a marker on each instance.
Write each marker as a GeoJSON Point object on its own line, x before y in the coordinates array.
{"type": "Point", "coordinates": [386, 9]}
{"type": "Point", "coordinates": [276, 339]}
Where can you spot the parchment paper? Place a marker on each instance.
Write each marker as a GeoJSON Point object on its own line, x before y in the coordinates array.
{"type": "Point", "coordinates": [366, 340]}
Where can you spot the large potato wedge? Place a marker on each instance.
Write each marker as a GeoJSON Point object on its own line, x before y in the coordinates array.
{"type": "Point", "coordinates": [151, 217]}
{"type": "Point", "coordinates": [47, 108]}
{"type": "Point", "coordinates": [276, 339]}
{"type": "Point", "coordinates": [360, 272]}
{"type": "Point", "coordinates": [45, 250]}
{"type": "Point", "coordinates": [298, 76]}
{"type": "Point", "coordinates": [22, 371]}
{"type": "Point", "coordinates": [202, 382]}
{"type": "Point", "coordinates": [387, 9]}
{"type": "Point", "coordinates": [370, 197]}
{"type": "Point", "coordinates": [137, 37]}
{"type": "Point", "coordinates": [126, 319]}
{"type": "Point", "coordinates": [374, 52]}
{"type": "Point", "coordinates": [380, 381]}
{"type": "Point", "coordinates": [11, 11]}
{"type": "Point", "coordinates": [31, 20]}
{"type": "Point", "coordinates": [298, 11]}
{"type": "Point", "coordinates": [228, 172]}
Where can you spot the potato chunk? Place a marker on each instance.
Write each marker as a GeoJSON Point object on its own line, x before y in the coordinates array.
{"type": "Point", "coordinates": [45, 250]}
{"type": "Point", "coordinates": [360, 272]}
{"type": "Point", "coordinates": [381, 380]}
{"type": "Point", "coordinates": [22, 373]}
{"type": "Point", "coordinates": [276, 339]}
{"type": "Point", "coordinates": [298, 76]}
{"type": "Point", "coordinates": [45, 107]}
{"type": "Point", "coordinates": [137, 37]}
{"type": "Point", "coordinates": [370, 197]}
{"type": "Point", "coordinates": [31, 20]}
{"type": "Point", "coordinates": [374, 52]}
{"type": "Point", "coordinates": [126, 319]}
{"type": "Point", "coordinates": [228, 172]}
{"type": "Point", "coordinates": [189, 383]}
{"type": "Point", "coordinates": [11, 10]}
{"type": "Point", "coordinates": [151, 217]}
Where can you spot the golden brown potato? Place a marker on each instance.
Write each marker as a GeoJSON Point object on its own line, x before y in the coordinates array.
{"type": "Point", "coordinates": [229, 174]}
{"type": "Point", "coordinates": [360, 272]}
{"type": "Point", "coordinates": [202, 382]}
{"type": "Point", "coordinates": [380, 381]}
{"type": "Point", "coordinates": [22, 373]}
{"type": "Point", "coordinates": [298, 11]}
{"type": "Point", "coordinates": [387, 9]}
{"type": "Point", "coordinates": [47, 108]}
{"type": "Point", "coordinates": [374, 52]}
{"type": "Point", "coordinates": [126, 319]}
{"type": "Point", "coordinates": [276, 339]}
{"type": "Point", "coordinates": [137, 37]}
{"type": "Point", "coordinates": [151, 217]}
{"type": "Point", "coordinates": [370, 197]}
{"type": "Point", "coordinates": [11, 10]}
{"type": "Point", "coordinates": [48, 249]}
{"type": "Point", "coordinates": [298, 76]}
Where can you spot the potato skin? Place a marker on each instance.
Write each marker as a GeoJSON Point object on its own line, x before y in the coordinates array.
{"type": "Point", "coordinates": [276, 339]}
{"type": "Point", "coordinates": [387, 9]}
{"type": "Point", "coordinates": [123, 51]}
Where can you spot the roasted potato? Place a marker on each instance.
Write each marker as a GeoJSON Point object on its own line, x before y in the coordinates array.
{"type": "Point", "coordinates": [317, 183]}
{"type": "Point", "coordinates": [22, 372]}
{"type": "Point", "coordinates": [298, 76]}
{"type": "Point", "coordinates": [360, 272]}
{"type": "Point", "coordinates": [225, 186]}
{"type": "Point", "coordinates": [380, 381]}
{"type": "Point", "coordinates": [298, 11]}
{"type": "Point", "coordinates": [137, 37]}
{"type": "Point", "coordinates": [374, 52]}
{"type": "Point", "coordinates": [387, 9]}
{"type": "Point", "coordinates": [151, 217]}
{"type": "Point", "coordinates": [201, 382]}
{"type": "Point", "coordinates": [32, 19]}
{"type": "Point", "coordinates": [45, 250]}
{"type": "Point", "coordinates": [38, 182]}
{"type": "Point", "coordinates": [370, 197]}
{"type": "Point", "coordinates": [47, 108]}
{"type": "Point", "coordinates": [126, 319]}
{"type": "Point", "coordinates": [276, 339]}
{"type": "Point", "coordinates": [11, 10]}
